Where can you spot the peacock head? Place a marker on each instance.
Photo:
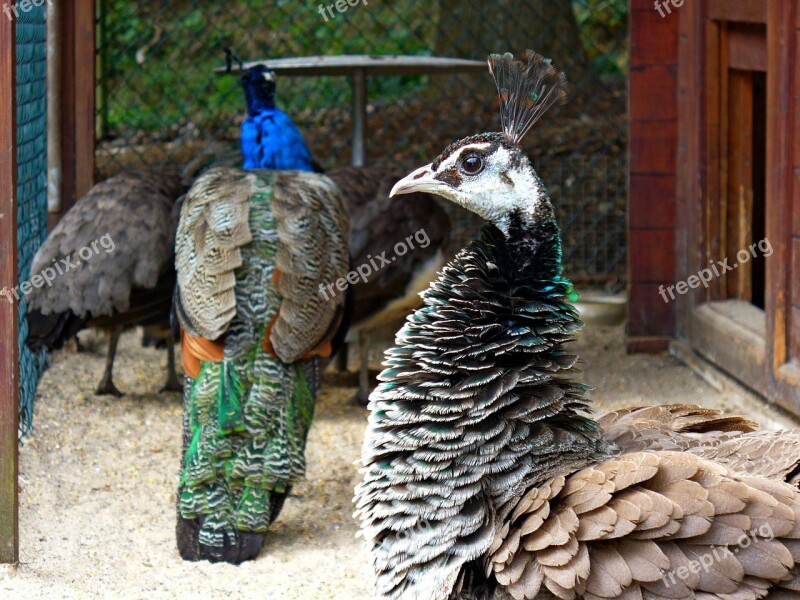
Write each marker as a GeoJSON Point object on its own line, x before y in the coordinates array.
{"type": "Point", "coordinates": [489, 173]}
{"type": "Point", "coordinates": [259, 88]}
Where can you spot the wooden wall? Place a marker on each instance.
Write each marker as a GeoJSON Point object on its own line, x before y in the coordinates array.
{"type": "Point", "coordinates": [652, 175]}
{"type": "Point", "coordinates": [77, 64]}
{"type": "Point", "coordinates": [9, 357]}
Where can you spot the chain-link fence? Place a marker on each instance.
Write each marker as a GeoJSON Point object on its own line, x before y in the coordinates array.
{"type": "Point", "coordinates": [159, 100]}
{"type": "Point", "coordinates": [31, 180]}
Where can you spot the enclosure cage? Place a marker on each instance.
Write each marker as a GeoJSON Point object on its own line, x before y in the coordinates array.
{"type": "Point", "coordinates": [103, 86]}
{"type": "Point", "coordinates": [159, 101]}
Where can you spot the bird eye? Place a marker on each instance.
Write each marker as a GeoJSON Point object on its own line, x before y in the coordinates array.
{"type": "Point", "coordinates": [472, 165]}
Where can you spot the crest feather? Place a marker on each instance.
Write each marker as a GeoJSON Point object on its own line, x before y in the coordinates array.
{"type": "Point", "coordinates": [527, 88]}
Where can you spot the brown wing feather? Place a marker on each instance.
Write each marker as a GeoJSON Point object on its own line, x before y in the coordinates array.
{"type": "Point", "coordinates": [214, 225]}
{"type": "Point", "coordinates": [711, 434]}
{"type": "Point", "coordinates": [312, 252]}
{"type": "Point", "coordinates": [682, 528]}
{"type": "Point", "coordinates": [132, 215]}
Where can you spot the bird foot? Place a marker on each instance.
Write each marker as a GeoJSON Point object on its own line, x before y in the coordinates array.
{"type": "Point", "coordinates": [107, 388]}
{"type": "Point", "coordinates": [172, 385]}
{"type": "Point", "coordinates": [246, 546]}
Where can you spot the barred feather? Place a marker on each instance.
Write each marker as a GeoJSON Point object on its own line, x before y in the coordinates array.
{"type": "Point", "coordinates": [247, 416]}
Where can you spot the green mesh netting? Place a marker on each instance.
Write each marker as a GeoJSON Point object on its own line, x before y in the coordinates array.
{"type": "Point", "coordinates": [31, 180]}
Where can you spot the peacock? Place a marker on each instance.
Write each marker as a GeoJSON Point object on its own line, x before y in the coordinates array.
{"type": "Point", "coordinates": [253, 249]}
{"type": "Point", "coordinates": [269, 137]}
{"type": "Point", "coordinates": [109, 264]}
{"type": "Point", "coordinates": [270, 140]}
{"type": "Point", "coordinates": [484, 474]}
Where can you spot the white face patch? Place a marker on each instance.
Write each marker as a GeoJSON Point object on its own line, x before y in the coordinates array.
{"type": "Point", "coordinates": [505, 184]}
{"type": "Point", "coordinates": [453, 160]}
{"type": "Point", "coordinates": [269, 76]}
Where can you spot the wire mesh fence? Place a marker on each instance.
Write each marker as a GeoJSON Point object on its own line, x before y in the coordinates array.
{"type": "Point", "coordinates": [31, 71]}
{"type": "Point", "coordinates": [159, 101]}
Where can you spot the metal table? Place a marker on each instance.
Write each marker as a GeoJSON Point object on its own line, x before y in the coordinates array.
{"type": "Point", "coordinates": [358, 67]}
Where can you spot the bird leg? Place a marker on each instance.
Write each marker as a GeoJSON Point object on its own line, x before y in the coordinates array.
{"type": "Point", "coordinates": [340, 360]}
{"type": "Point", "coordinates": [363, 368]}
{"type": "Point", "coordinates": [106, 386]}
{"type": "Point", "coordinates": [172, 384]}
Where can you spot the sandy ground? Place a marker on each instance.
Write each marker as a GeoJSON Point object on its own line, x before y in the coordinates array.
{"type": "Point", "coordinates": [98, 479]}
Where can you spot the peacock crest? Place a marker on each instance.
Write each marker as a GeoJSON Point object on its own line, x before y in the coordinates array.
{"type": "Point", "coordinates": [527, 88]}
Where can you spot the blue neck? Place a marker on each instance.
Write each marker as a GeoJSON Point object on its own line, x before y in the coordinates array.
{"type": "Point", "coordinates": [257, 102]}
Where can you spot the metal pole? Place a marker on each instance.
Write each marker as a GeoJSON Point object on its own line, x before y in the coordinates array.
{"type": "Point", "coordinates": [359, 85]}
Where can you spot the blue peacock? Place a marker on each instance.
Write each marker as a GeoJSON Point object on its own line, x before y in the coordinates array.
{"type": "Point", "coordinates": [270, 140]}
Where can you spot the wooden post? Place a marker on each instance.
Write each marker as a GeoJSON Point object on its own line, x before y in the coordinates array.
{"type": "Point", "coordinates": [77, 94]}
{"type": "Point", "coordinates": [9, 350]}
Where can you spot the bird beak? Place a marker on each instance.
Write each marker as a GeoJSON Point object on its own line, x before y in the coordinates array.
{"type": "Point", "coordinates": [421, 180]}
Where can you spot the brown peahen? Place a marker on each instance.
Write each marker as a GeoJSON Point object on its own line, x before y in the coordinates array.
{"type": "Point", "coordinates": [484, 475]}
{"type": "Point", "coordinates": [386, 294]}
{"type": "Point", "coordinates": [252, 250]}
{"type": "Point", "coordinates": [109, 264]}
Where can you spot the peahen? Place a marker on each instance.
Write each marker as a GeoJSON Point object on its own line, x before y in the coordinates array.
{"type": "Point", "coordinates": [112, 266]}
{"type": "Point", "coordinates": [484, 475]}
{"type": "Point", "coordinates": [270, 140]}
{"type": "Point", "coordinates": [251, 251]}
{"type": "Point", "coordinates": [392, 281]}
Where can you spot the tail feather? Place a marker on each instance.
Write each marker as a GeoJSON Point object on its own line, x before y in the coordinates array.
{"type": "Point", "coordinates": [51, 332]}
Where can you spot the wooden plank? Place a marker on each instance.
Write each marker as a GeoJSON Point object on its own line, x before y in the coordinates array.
{"type": "Point", "coordinates": [747, 47]}
{"type": "Point", "coordinates": [652, 255]}
{"type": "Point", "coordinates": [648, 315]}
{"type": "Point", "coordinates": [651, 202]}
{"type": "Point", "coordinates": [719, 226]}
{"type": "Point", "coordinates": [690, 176]}
{"type": "Point", "coordinates": [742, 11]}
{"type": "Point", "coordinates": [651, 185]}
{"type": "Point", "coordinates": [645, 6]}
{"type": "Point", "coordinates": [647, 345]}
{"type": "Point", "coordinates": [780, 111]}
{"type": "Point", "coordinates": [66, 42]}
{"type": "Point", "coordinates": [796, 189]}
{"type": "Point", "coordinates": [9, 353]}
{"type": "Point", "coordinates": [652, 147]}
{"type": "Point", "coordinates": [653, 93]}
{"type": "Point", "coordinates": [715, 87]}
{"type": "Point", "coordinates": [77, 102]}
{"type": "Point", "coordinates": [740, 182]}
{"type": "Point", "coordinates": [795, 272]}
{"type": "Point", "coordinates": [84, 57]}
{"type": "Point", "coordinates": [654, 40]}
{"type": "Point", "coordinates": [794, 323]}
{"type": "Point", "coordinates": [731, 334]}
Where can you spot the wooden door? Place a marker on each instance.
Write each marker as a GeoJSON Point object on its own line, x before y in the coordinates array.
{"type": "Point", "coordinates": [736, 192]}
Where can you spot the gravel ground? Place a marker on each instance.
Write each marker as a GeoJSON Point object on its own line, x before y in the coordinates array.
{"type": "Point", "coordinates": [98, 479]}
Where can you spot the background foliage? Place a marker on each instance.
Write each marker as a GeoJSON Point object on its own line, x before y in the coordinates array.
{"type": "Point", "coordinates": [159, 101]}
